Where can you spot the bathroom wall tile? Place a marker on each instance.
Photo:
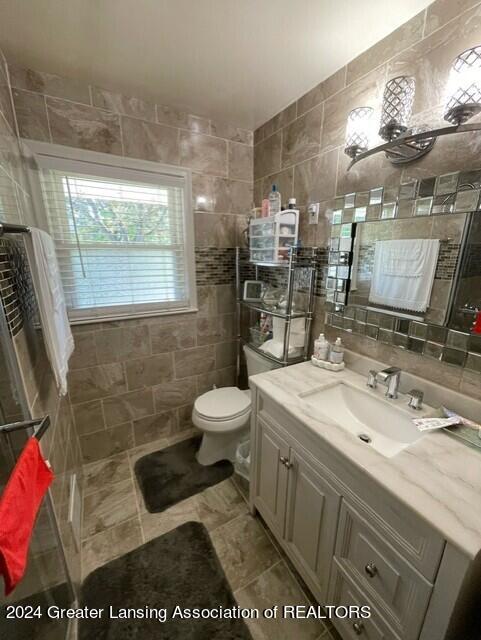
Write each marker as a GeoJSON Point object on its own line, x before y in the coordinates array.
{"type": "Point", "coordinates": [231, 132]}
{"type": "Point", "coordinates": [173, 335]}
{"type": "Point", "coordinates": [184, 418]}
{"type": "Point", "coordinates": [85, 127]}
{"type": "Point", "coordinates": [225, 354]}
{"type": "Point", "coordinates": [215, 230]}
{"type": "Point", "coordinates": [244, 550]}
{"type": "Point", "coordinates": [208, 330]}
{"type": "Point", "coordinates": [226, 298]}
{"type": "Point", "coordinates": [194, 361]}
{"type": "Point", "coordinates": [241, 161]}
{"type": "Point", "coordinates": [207, 301]}
{"type": "Point", "coordinates": [315, 179]}
{"type": "Point", "coordinates": [367, 91]}
{"type": "Point", "coordinates": [442, 11]}
{"type": "Point", "coordinates": [96, 382]}
{"type": "Point", "coordinates": [108, 507]}
{"type": "Point", "coordinates": [232, 196]}
{"type": "Point", "coordinates": [470, 383]}
{"type": "Point", "coordinates": [110, 544]}
{"type": "Point", "coordinates": [284, 181]}
{"type": "Point", "coordinates": [203, 153]}
{"type": "Point", "coordinates": [171, 395]}
{"type": "Point", "coordinates": [31, 112]}
{"type": "Point", "coordinates": [88, 417]}
{"type": "Point", "coordinates": [125, 105]}
{"type": "Point", "coordinates": [105, 473]}
{"type": "Point", "coordinates": [154, 427]}
{"type": "Point", "coordinates": [6, 106]}
{"type": "Point", "coordinates": [49, 84]}
{"type": "Point", "coordinates": [219, 378]}
{"type": "Point", "coordinates": [103, 444]}
{"type": "Point", "coordinates": [367, 174]}
{"type": "Point", "coordinates": [404, 36]}
{"type": "Point", "coordinates": [277, 586]}
{"type": "Point", "coordinates": [147, 372]}
{"type": "Point", "coordinates": [280, 120]}
{"type": "Point", "coordinates": [322, 91]}
{"type": "Point", "coordinates": [128, 406]}
{"type": "Point", "coordinates": [176, 118]}
{"type": "Point", "coordinates": [85, 354]}
{"type": "Point", "coordinates": [150, 141]}
{"type": "Point", "coordinates": [301, 139]}
{"type": "Point", "coordinates": [267, 157]}
{"type": "Point", "coordinates": [123, 343]}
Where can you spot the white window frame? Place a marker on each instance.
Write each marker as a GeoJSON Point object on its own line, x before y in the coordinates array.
{"type": "Point", "coordinates": [54, 156]}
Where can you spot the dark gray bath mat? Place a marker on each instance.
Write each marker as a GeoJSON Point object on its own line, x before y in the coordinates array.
{"type": "Point", "coordinates": [168, 476]}
{"type": "Point", "coordinates": [179, 568]}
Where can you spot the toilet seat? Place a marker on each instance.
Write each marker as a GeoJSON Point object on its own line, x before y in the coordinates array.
{"type": "Point", "coordinates": [223, 405]}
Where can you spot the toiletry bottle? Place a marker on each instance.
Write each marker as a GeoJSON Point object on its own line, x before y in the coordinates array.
{"type": "Point", "coordinates": [292, 203]}
{"type": "Point", "coordinates": [336, 355]}
{"type": "Point", "coordinates": [265, 211]}
{"type": "Point", "coordinates": [274, 201]}
{"type": "Point", "coordinates": [321, 348]}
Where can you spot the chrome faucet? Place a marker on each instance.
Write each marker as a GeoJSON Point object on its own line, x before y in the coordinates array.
{"type": "Point", "coordinates": [391, 377]}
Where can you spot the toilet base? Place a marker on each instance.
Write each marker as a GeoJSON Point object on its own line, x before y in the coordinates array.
{"type": "Point", "coordinates": [219, 446]}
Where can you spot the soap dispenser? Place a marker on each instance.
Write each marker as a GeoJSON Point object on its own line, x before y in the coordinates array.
{"type": "Point", "coordinates": [336, 355]}
{"type": "Point", "coordinates": [321, 348]}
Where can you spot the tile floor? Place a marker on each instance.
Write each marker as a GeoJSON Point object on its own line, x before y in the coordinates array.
{"type": "Point", "coordinates": [116, 521]}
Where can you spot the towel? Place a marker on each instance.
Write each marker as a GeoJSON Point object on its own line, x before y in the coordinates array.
{"type": "Point", "coordinates": [51, 303]}
{"type": "Point", "coordinates": [19, 505]}
{"type": "Point", "coordinates": [403, 273]}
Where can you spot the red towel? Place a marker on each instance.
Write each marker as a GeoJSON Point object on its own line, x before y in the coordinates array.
{"type": "Point", "coordinates": [19, 505]}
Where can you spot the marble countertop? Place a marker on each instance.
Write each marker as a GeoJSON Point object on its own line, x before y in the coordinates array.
{"type": "Point", "coordinates": [436, 476]}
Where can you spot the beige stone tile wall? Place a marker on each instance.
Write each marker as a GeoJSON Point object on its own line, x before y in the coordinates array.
{"type": "Point", "coordinates": [60, 443]}
{"type": "Point", "coordinates": [133, 382]}
{"type": "Point", "coordinates": [301, 148]}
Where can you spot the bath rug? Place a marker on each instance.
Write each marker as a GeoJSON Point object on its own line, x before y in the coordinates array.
{"type": "Point", "coordinates": [178, 569]}
{"type": "Point", "coordinates": [170, 475]}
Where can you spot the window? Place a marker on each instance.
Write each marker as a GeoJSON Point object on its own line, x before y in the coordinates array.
{"type": "Point", "coordinates": [123, 235]}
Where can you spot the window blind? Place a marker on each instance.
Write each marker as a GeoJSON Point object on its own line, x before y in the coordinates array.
{"type": "Point", "coordinates": [121, 244]}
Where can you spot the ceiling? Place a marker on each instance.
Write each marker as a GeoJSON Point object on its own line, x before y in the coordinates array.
{"type": "Point", "coordinates": [240, 61]}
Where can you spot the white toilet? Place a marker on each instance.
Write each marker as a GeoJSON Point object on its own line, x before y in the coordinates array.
{"type": "Point", "coordinates": [223, 415]}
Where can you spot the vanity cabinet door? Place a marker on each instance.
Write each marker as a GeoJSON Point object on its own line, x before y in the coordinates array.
{"type": "Point", "coordinates": [311, 522]}
{"type": "Point", "coordinates": [272, 472]}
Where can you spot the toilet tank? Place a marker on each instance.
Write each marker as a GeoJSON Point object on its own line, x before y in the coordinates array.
{"type": "Point", "coordinates": [257, 363]}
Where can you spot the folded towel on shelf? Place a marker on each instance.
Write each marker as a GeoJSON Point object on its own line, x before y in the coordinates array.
{"type": "Point", "coordinates": [403, 273]}
{"type": "Point", "coordinates": [276, 349]}
{"type": "Point", "coordinates": [58, 337]}
{"type": "Point", "coordinates": [19, 505]}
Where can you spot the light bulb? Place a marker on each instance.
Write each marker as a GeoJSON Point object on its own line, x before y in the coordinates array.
{"type": "Point", "coordinates": [359, 131]}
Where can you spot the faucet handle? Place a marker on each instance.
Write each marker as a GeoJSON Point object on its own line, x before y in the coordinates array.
{"type": "Point", "coordinates": [372, 379]}
{"type": "Point", "coordinates": [416, 398]}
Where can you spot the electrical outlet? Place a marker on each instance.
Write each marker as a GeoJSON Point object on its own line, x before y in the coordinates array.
{"type": "Point", "coordinates": [313, 212]}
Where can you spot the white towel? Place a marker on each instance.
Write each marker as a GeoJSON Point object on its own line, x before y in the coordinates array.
{"type": "Point", "coordinates": [58, 338]}
{"type": "Point", "coordinates": [403, 273]}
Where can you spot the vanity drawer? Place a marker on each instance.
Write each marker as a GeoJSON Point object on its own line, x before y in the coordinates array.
{"type": "Point", "coordinates": [346, 593]}
{"type": "Point", "coordinates": [399, 591]}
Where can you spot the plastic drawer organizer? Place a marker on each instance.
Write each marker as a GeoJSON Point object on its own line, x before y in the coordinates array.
{"type": "Point", "coordinates": [270, 238]}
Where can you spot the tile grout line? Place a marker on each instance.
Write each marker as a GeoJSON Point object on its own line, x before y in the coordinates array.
{"type": "Point", "coordinates": [258, 576]}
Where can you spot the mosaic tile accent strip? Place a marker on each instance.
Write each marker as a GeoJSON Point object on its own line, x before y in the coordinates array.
{"type": "Point", "coordinates": [16, 287]}
{"type": "Point", "coordinates": [214, 266]}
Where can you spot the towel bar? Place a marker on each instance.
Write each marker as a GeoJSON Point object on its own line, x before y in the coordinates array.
{"type": "Point", "coordinates": [42, 424]}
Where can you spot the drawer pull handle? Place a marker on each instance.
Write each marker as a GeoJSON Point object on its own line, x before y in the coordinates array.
{"type": "Point", "coordinates": [370, 569]}
{"type": "Point", "coordinates": [358, 628]}
{"type": "Point", "coordinates": [285, 462]}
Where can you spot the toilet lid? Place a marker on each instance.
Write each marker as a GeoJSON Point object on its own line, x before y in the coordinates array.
{"type": "Point", "coordinates": [223, 403]}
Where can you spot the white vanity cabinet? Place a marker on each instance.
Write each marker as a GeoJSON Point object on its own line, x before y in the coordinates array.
{"type": "Point", "coordinates": [351, 541]}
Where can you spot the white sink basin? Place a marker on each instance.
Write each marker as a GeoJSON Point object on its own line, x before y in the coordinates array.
{"type": "Point", "coordinates": [381, 423]}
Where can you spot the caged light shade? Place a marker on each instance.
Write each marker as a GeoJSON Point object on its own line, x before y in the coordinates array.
{"type": "Point", "coordinates": [359, 131]}
{"type": "Point", "coordinates": [397, 106]}
{"type": "Point", "coordinates": [463, 91]}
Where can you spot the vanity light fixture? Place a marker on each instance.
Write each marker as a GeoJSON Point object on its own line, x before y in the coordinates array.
{"type": "Point", "coordinates": [405, 143]}
{"type": "Point", "coordinates": [359, 131]}
{"type": "Point", "coordinates": [464, 87]}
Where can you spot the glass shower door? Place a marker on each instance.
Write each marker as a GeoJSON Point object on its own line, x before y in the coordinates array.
{"type": "Point", "coordinates": [46, 582]}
